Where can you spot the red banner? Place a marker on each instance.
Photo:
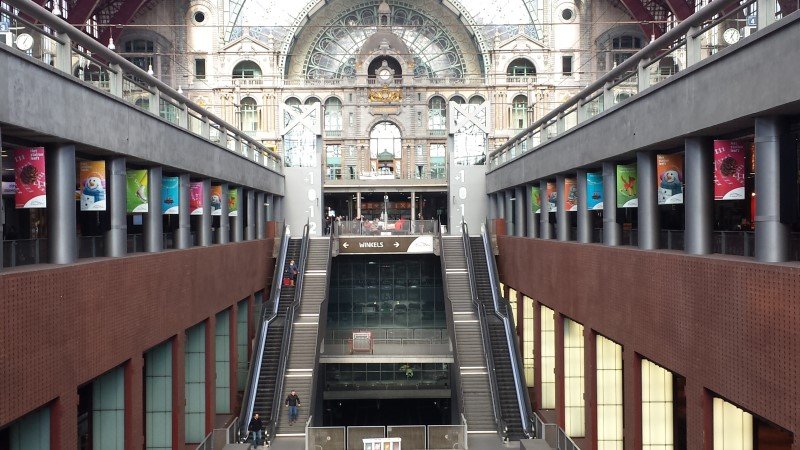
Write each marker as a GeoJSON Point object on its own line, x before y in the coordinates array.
{"type": "Point", "coordinates": [729, 167]}
{"type": "Point", "coordinates": [29, 175]}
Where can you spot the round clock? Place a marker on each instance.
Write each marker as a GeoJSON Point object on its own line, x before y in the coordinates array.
{"type": "Point", "coordinates": [24, 42]}
{"type": "Point", "coordinates": [731, 35]}
{"type": "Point", "coordinates": [385, 74]}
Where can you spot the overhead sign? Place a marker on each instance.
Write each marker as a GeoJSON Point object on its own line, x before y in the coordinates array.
{"type": "Point", "coordinates": [386, 244]}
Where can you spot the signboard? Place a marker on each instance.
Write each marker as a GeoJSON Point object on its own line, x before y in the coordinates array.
{"type": "Point", "coordinates": [362, 341]}
{"type": "Point", "coordinates": [196, 198]}
{"type": "Point", "coordinates": [386, 244]}
{"type": "Point", "coordinates": [216, 200]}
{"type": "Point", "coordinates": [594, 190]}
{"type": "Point", "coordinates": [29, 176]}
{"type": "Point", "coordinates": [536, 200]}
{"type": "Point", "coordinates": [93, 185]}
{"type": "Point", "coordinates": [170, 195]}
{"type": "Point", "coordinates": [552, 206]}
{"type": "Point", "coordinates": [729, 165]}
{"type": "Point", "coordinates": [137, 191]}
{"type": "Point", "coordinates": [627, 186]}
{"type": "Point", "coordinates": [570, 194]}
{"type": "Point", "coordinates": [233, 203]}
{"type": "Point", "coordinates": [670, 179]}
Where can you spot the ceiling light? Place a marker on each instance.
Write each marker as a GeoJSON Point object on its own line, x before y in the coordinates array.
{"type": "Point", "coordinates": [150, 70]}
{"type": "Point", "coordinates": [111, 45]}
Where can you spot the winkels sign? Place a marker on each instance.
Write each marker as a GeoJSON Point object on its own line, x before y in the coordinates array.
{"type": "Point", "coordinates": [386, 244]}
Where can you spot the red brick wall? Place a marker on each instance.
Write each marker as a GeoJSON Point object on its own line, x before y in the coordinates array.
{"type": "Point", "coordinates": [727, 324]}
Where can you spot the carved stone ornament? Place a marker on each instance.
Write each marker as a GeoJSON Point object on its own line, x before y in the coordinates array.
{"type": "Point", "coordinates": [385, 95]}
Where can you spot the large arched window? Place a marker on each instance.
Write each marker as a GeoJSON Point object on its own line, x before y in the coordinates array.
{"type": "Point", "coordinates": [437, 113]}
{"type": "Point", "coordinates": [617, 45]}
{"type": "Point", "coordinates": [293, 101]}
{"type": "Point", "coordinates": [312, 100]}
{"type": "Point", "coordinates": [519, 112]}
{"type": "Point", "coordinates": [247, 69]}
{"type": "Point", "coordinates": [521, 70]}
{"type": "Point", "coordinates": [333, 115]}
{"type": "Point", "coordinates": [458, 99]}
{"type": "Point", "coordinates": [249, 114]}
{"type": "Point", "coordinates": [476, 100]}
{"type": "Point", "coordinates": [385, 139]}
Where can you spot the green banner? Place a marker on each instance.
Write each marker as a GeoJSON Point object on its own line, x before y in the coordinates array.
{"type": "Point", "coordinates": [627, 186]}
{"type": "Point", "coordinates": [233, 202]}
{"type": "Point", "coordinates": [137, 191]}
{"type": "Point", "coordinates": [536, 200]}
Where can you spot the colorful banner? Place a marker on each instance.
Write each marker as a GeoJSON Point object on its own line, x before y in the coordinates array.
{"type": "Point", "coordinates": [137, 191]}
{"type": "Point", "coordinates": [233, 203]}
{"type": "Point", "coordinates": [92, 175]}
{"type": "Point", "coordinates": [627, 187]}
{"type": "Point", "coordinates": [552, 205]}
{"type": "Point", "coordinates": [536, 200]}
{"type": "Point", "coordinates": [670, 179]}
{"type": "Point", "coordinates": [729, 166]}
{"type": "Point", "coordinates": [594, 190]}
{"type": "Point", "coordinates": [170, 195]}
{"type": "Point", "coordinates": [196, 198]}
{"type": "Point", "coordinates": [216, 200]}
{"type": "Point", "coordinates": [570, 194]}
{"type": "Point", "coordinates": [30, 177]}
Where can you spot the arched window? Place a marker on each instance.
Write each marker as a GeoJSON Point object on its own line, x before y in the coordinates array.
{"type": "Point", "coordinates": [384, 140]}
{"type": "Point", "coordinates": [437, 113]}
{"type": "Point", "coordinates": [293, 101]}
{"type": "Point", "coordinates": [458, 99]}
{"type": "Point", "coordinates": [521, 70]}
{"type": "Point", "coordinates": [617, 45]}
{"type": "Point", "coordinates": [312, 100]}
{"type": "Point", "coordinates": [333, 114]}
{"type": "Point", "coordinates": [519, 112]}
{"type": "Point", "coordinates": [142, 53]}
{"type": "Point", "coordinates": [476, 100]}
{"type": "Point", "coordinates": [247, 69]}
{"type": "Point", "coordinates": [249, 114]}
{"type": "Point", "coordinates": [94, 74]}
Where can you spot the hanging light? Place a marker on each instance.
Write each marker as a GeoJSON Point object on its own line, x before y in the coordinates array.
{"type": "Point", "coordinates": [111, 45]}
{"type": "Point", "coordinates": [57, 8]}
{"type": "Point", "coordinates": [180, 91]}
{"type": "Point", "coordinates": [150, 70]}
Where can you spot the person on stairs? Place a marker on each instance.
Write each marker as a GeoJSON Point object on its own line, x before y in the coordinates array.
{"type": "Point", "coordinates": [292, 402]}
{"type": "Point", "coordinates": [257, 428]}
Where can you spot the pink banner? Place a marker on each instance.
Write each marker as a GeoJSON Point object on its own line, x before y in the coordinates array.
{"type": "Point", "coordinates": [29, 171]}
{"type": "Point", "coordinates": [196, 198]}
{"type": "Point", "coordinates": [729, 166]}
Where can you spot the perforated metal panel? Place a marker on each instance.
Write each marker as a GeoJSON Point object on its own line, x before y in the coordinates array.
{"type": "Point", "coordinates": [413, 436]}
{"type": "Point", "coordinates": [326, 438]}
{"type": "Point", "coordinates": [446, 437]}
{"type": "Point", "coordinates": [356, 434]}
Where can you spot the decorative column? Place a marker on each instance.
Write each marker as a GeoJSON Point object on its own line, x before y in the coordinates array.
{"type": "Point", "coordinates": [508, 211]}
{"type": "Point", "coordinates": [205, 219]}
{"type": "Point", "coordinates": [649, 222]}
{"type": "Point", "coordinates": [183, 238]}
{"type": "Point", "coordinates": [772, 235]}
{"type": "Point", "coordinates": [533, 225]}
{"type": "Point", "coordinates": [612, 232]}
{"type": "Point", "coordinates": [223, 232]}
{"type": "Point", "coordinates": [584, 218]}
{"type": "Point", "coordinates": [562, 220]}
{"type": "Point", "coordinates": [544, 216]}
{"type": "Point", "coordinates": [250, 229]}
{"type": "Point", "coordinates": [60, 190]}
{"type": "Point", "coordinates": [117, 235]}
{"type": "Point", "coordinates": [519, 212]}
{"type": "Point", "coordinates": [698, 196]}
{"type": "Point", "coordinates": [154, 221]}
{"type": "Point", "coordinates": [261, 216]}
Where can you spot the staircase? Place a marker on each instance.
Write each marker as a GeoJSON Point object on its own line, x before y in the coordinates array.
{"type": "Point", "coordinates": [301, 366]}
{"type": "Point", "coordinates": [472, 370]}
{"type": "Point", "coordinates": [507, 391]}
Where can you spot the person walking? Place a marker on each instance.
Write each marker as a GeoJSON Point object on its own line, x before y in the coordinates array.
{"type": "Point", "coordinates": [292, 402]}
{"type": "Point", "coordinates": [292, 271]}
{"type": "Point", "coordinates": [256, 427]}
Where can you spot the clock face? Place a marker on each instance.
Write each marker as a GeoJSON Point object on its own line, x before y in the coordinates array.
{"type": "Point", "coordinates": [24, 42]}
{"type": "Point", "coordinates": [385, 74]}
{"type": "Point", "coordinates": [731, 35]}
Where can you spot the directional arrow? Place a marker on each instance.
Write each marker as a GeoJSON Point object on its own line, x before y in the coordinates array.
{"type": "Point", "coordinates": [396, 244]}
{"type": "Point", "coordinates": [345, 245]}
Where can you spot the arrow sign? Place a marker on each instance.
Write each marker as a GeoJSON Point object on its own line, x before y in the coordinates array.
{"type": "Point", "coordinates": [387, 244]}
{"type": "Point", "coordinates": [346, 245]}
{"type": "Point", "coordinates": [396, 244]}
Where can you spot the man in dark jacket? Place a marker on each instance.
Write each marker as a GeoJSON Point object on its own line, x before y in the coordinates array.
{"type": "Point", "coordinates": [257, 428]}
{"type": "Point", "coordinates": [292, 401]}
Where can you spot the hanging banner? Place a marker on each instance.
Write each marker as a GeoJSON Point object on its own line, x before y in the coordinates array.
{"type": "Point", "coordinates": [30, 178]}
{"type": "Point", "coordinates": [570, 194]}
{"type": "Point", "coordinates": [137, 191]}
{"type": "Point", "coordinates": [729, 166]}
{"type": "Point", "coordinates": [627, 188]}
{"type": "Point", "coordinates": [92, 175]}
{"type": "Point", "coordinates": [216, 200]}
{"type": "Point", "coordinates": [196, 198]}
{"type": "Point", "coordinates": [594, 190]}
{"type": "Point", "coordinates": [233, 203]}
{"type": "Point", "coordinates": [170, 195]}
{"type": "Point", "coordinates": [552, 206]}
{"type": "Point", "coordinates": [670, 179]}
{"type": "Point", "coordinates": [536, 200]}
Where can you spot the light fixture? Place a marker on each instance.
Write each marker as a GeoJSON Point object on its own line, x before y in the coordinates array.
{"type": "Point", "coordinates": [111, 45]}
{"type": "Point", "coordinates": [150, 70]}
{"type": "Point", "coordinates": [56, 8]}
{"type": "Point", "coordinates": [180, 91]}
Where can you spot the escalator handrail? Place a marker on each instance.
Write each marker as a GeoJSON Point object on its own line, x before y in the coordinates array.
{"type": "Point", "coordinates": [287, 338]}
{"type": "Point", "coordinates": [487, 345]}
{"type": "Point", "coordinates": [322, 323]}
{"type": "Point", "coordinates": [267, 316]}
{"type": "Point", "coordinates": [523, 398]}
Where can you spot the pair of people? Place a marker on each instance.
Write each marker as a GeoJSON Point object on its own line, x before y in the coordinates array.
{"type": "Point", "coordinates": [256, 426]}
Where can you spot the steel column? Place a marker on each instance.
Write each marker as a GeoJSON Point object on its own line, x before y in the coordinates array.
{"type": "Point", "coordinates": [183, 237]}
{"type": "Point", "coordinates": [413, 206]}
{"type": "Point", "coordinates": [562, 219]}
{"type": "Point", "coordinates": [584, 218]}
{"type": "Point", "coordinates": [116, 201]}
{"type": "Point", "coordinates": [649, 223]}
{"type": "Point", "coordinates": [492, 199]}
{"type": "Point", "coordinates": [205, 220]}
{"type": "Point", "coordinates": [508, 211]}
{"type": "Point", "coordinates": [237, 221]}
{"type": "Point", "coordinates": [698, 195]}
{"type": "Point", "coordinates": [261, 216]}
{"type": "Point", "coordinates": [278, 210]}
{"type": "Point", "coordinates": [772, 236]}
{"type": "Point", "coordinates": [250, 229]}
{"type": "Point", "coordinates": [612, 232]}
{"type": "Point", "coordinates": [154, 219]}
{"type": "Point", "coordinates": [60, 190]}
{"type": "Point", "coordinates": [519, 212]}
{"type": "Point", "coordinates": [501, 205]}
{"type": "Point", "coordinates": [2, 207]}
{"type": "Point", "coordinates": [223, 232]}
{"type": "Point", "coordinates": [544, 217]}
{"type": "Point", "coordinates": [533, 225]}
{"type": "Point", "coordinates": [270, 207]}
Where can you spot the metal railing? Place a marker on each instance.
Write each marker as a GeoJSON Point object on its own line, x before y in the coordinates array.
{"type": "Point", "coordinates": [380, 228]}
{"type": "Point", "coordinates": [98, 66]}
{"type": "Point", "coordinates": [689, 42]}
{"type": "Point", "coordinates": [220, 437]}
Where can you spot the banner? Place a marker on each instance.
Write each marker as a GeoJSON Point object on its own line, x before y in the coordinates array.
{"type": "Point", "coordinates": [536, 200]}
{"type": "Point", "coordinates": [233, 203]}
{"type": "Point", "coordinates": [729, 166]}
{"type": "Point", "coordinates": [216, 200]}
{"type": "Point", "coordinates": [570, 194]}
{"type": "Point", "coordinates": [137, 191]}
{"type": "Point", "coordinates": [594, 190]}
{"type": "Point", "coordinates": [170, 195]}
{"type": "Point", "coordinates": [92, 175]}
{"type": "Point", "coordinates": [196, 198]}
{"type": "Point", "coordinates": [30, 178]}
{"type": "Point", "coordinates": [552, 206]}
{"type": "Point", "coordinates": [670, 179]}
{"type": "Point", "coordinates": [627, 188]}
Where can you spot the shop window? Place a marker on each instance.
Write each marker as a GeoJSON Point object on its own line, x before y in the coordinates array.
{"type": "Point", "coordinates": [733, 427]}
{"type": "Point", "coordinates": [575, 425]}
{"type": "Point", "coordinates": [609, 394]}
{"type": "Point", "coordinates": [548, 357]}
{"type": "Point", "coordinates": [663, 408]}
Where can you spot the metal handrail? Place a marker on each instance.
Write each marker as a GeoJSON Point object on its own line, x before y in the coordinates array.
{"type": "Point", "coordinates": [487, 345]}
{"type": "Point", "coordinates": [251, 385]}
{"type": "Point", "coordinates": [501, 307]}
{"type": "Point", "coordinates": [287, 337]}
{"type": "Point", "coordinates": [321, 327]}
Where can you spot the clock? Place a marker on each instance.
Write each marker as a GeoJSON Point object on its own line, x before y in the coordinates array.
{"type": "Point", "coordinates": [24, 42]}
{"type": "Point", "coordinates": [731, 35]}
{"type": "Point", "coordinates": [385, 74]}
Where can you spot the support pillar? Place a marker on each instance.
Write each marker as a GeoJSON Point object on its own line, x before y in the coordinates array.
{"type": "Point", "coordinates": [501, 205]}
{"type": "Point", "coordinates": [590, 383]}
{"type": "Point", "coordinates": [223, 232]}
{"type": "Point", "coordinates": [61, 220]}
{"type": "Point", "coordinates": [233, 352]}
{"type": "Point", "coordinates": [133, 373]}
{"type": "Point", "coordinates": [544, 217]}
{"type": "Point", "coordinates": [562, 220]}
{"type": "Point", "coordinates": [270, 200]}
{"type": "Point", "coordinates": [508, 211]}
{"type": "Point", "coordinates": [531, 219]}
{"type": "Point", "coordinates": [154, 221]}
{"type": "Point", "coordinates": [261, 216]}
{"type": "Point", "coordinates": [559, 369]}
{"type": "Point", "coordinates": [519, 212]}
{"type": "Point", "coordinates": [237, 221]}
{"type": "Point", "coordinates": [279, 208]}
{"type": "Point", "coordinates": [116, 201]}
{"type": "Point", "coordinates": [632, 396]}
{"type": "Point", "coordinates": [612, 232]}
{"type": "Point", "coordinates": [584, 217]}
{"type": "Point", "coordinates": [63, 418]}
{"type": "Point", "coordinates": [698, 196]}
{"type": "Point", "coordinates": [205, 220]}
{"type": "Point", "coordinates": [2, 209]}
{"type": "Point", "coordinates": [179, 387]}
{"type": "Point", "coordinates": [649, 221]}
{"type": "Point", "coordinates": [211, 372]}
{"type": "Point", "coordinates": [183, 239]}
{"type": "Point", "coordinates": [492, 198]}
{"type": "Point", "coordinates": [413, 206]}
{"type": "Point", "coordinates": [358, 203]}
{"type": "Point", "coordinates": [250, 227]}
{"type": "Point", "coordinates": [772, 236]}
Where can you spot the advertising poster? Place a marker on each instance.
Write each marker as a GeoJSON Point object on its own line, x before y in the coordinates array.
{"type": "Point", "coordinates": [594, 190]}
{"type": "Point", "coordinates": [216, 200]}
{"type": "Point", "coordinates": [729, 166]}
{"type": "Point", "coordinates": [92, 176]}
{"type": "Point", "coordinates": [536, 200]}
{"type": "Point", "coordinates": [670, 179]}
{"type": "Point", "coordinates": [170, 195]}
{"type": "Point", "coordinates": [29, 176]}
{"type": "Point", "coordinates": [233, 203]}
{"type": "Point", "coordinates": [627, 187]}
{"type": "Point", "coordinates": [196, 198]}
{"type": "Point", "coordinates": [137, 191]}
{"type": "Point", "coordinates": [571, 194]}
{"type": "Point", "coordinates": [552, 206]}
